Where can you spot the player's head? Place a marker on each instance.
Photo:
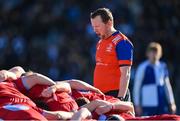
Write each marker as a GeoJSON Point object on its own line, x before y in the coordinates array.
{"type": "Point", "coordinates": [17, 70]}
{"type": "Point", "coordinates": [154, 52]}
{"type": "Point", "coordinates": [115, 117]}
{"type": "Point", "coordinates": [41, 104]}
{"type": "Point", "coordinates": [28, 73]}
{"type": "Point", "coordinates": [102, 21]}
{"type": "Point", "coordinates": [82, 101]}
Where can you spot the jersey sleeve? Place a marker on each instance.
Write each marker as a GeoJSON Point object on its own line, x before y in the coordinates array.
{"type": "Point", "coordinates": [35, 91]}
{"type": "Point", "coordinates": [20, 86]}
{"type": "Point", "coordinates": [124, 50]}
{"type": "Point", "coordinates": [166, 72]}
{"type": "Point", "coordinates": [40, 110]}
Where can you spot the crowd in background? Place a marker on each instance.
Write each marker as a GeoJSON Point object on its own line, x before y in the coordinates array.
{"type": "Point", "coordinates": [55, 37]}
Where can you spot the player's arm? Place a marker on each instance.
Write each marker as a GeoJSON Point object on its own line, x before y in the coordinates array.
{"type": "Point", "coordinates": [11, 74]}
{"type": "Point", "coordinates": [120, 106]}
{"type": "Point", "coordinates": [124, 51]}
{"type": "Point", "coordinates": [67, 85]}
{"type": "Point", "coordinates": [17, 70]}
{"type": "Point", "coordinates": [170, 96]}
{"type": "Point", "coordinates": [31, 80]}
{"type": "Point", "coordinates": [123, 106]}
{"type": "Point", "coordinates": [57, 115]}
{"type": "Point", "coordinates": [101, 106]}
{"type": "Point", "coordinates": [62, 115]}
{"type": "Point", "coordinates": [59, 86]}
{"type": "Point", "coordinates": [124, 80]}
{"type": "Point", "coordinates": [169, 92]}
{"type": "Point", "coordinates": [80, 85]}
{"type": "Point", "coordinates": [5, 75]}
{"type": "Point", "coordinates": [94, 104]}
{"type": "Point", "coordinates": [63, 86]}
{"type": "Point", "coordinates": [82, 114]}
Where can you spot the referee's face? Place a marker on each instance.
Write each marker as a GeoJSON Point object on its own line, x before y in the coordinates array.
{"type": "Point", "coordinates": [100, 28]}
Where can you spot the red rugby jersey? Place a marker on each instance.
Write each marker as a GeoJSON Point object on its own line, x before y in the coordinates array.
{"type": "Point", "coordinates": [111, 53]}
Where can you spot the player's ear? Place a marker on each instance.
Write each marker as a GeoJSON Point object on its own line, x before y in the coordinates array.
{"type": "Point", "coordinates": [110, 23]}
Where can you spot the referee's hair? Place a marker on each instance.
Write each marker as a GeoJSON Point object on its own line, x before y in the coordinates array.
{"type": "Point", "coordinates": [104, 13]}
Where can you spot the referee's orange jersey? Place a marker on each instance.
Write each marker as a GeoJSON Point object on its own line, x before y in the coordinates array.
{"type": "Point", "coordinates": [111, 53]}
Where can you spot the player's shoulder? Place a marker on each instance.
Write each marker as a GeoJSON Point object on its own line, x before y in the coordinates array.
{"type": "Point", "coordinates": [143, 65]}
{"type": "Point", "coordinates": [120, 39]}
{"type": "Point", "coordinates": [116, 37]}
{"type": "Point", "coordinates": [163, 64]}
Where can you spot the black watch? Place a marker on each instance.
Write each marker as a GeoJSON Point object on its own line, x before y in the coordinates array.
{"type": "Point", "coordinates": [121, 98]}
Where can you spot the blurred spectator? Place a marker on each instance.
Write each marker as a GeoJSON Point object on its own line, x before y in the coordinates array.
{"type": "Point", "coordinates": [52, 53]}
{"type": "Point", "coordinates": [54, 72]}
{"type": "Point", "coordinates": [3, 44]}
{"type": "Point", "coordinates": [18, 46]}
{"type": "Point", "coordinates": [152, 89]}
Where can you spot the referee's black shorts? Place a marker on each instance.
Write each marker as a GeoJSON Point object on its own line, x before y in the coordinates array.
{"type": "Point", "coordinates": [114, 93]}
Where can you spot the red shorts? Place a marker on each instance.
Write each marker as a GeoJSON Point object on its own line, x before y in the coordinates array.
{"type": "Point", "coordinates": [19, 112]}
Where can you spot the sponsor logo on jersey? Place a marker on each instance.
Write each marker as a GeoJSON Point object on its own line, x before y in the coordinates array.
{"type": "Point", "coordinates": [16, 107]}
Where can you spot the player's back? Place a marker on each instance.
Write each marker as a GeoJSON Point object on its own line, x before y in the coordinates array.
{"type": "Point", "coordinates": [16, 106]}
{"type": "Point", "coordinates": [8, 89]}
{"type": "Point", "coordinates": [64, 101]}
{"type": "Point", "coordinates": [10, 94]}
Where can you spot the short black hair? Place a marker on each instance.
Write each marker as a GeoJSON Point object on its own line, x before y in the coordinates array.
{"type": "Point", "coordinates": [28, 73]}
{"type": "Point", "coordinates": [41, 104]}
{"type": "Point", "coordinates": [104, 13]}
{"type": "Point", "coordinates": [114, 117]}
{"type": "Point", "coordinates": [82, 101]}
